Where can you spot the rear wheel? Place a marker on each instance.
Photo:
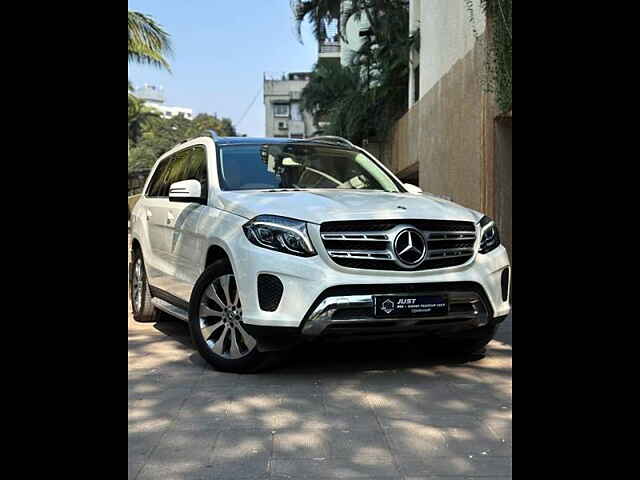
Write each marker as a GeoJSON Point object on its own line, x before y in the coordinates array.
{"type": "Point", "coordinates": [215, 322]}
{"type": "Point", "coordinates": [143, 309]}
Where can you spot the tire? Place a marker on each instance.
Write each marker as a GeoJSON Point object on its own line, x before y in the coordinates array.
{"type": "Point", "coordinates": [215, 323]}
{"type": "Point", "coordinates": [143, 309]}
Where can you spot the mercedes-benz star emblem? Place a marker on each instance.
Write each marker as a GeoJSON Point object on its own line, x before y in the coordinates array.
{"type": "Point", "coordinates": [410, 246]}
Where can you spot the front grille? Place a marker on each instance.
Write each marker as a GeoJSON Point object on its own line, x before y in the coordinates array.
{"type": "Point", "coordinates": [368, 244]}
{"type": "Point", "coordinates": [269, 292]}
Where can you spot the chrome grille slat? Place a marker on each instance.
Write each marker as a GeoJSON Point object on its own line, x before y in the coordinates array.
{"type": "Point", "coordinates": [369, 254]}
{"type": "Point", "coordinates": [449, 244]}
{"type": "Point", "coordinates": [379, 237]}
{"type": "Point", "coordinates": [447, 251]}
{"type": "Point", "coordinates": [440, 236]}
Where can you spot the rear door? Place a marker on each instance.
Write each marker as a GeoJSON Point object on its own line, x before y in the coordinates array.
{"type": "Point", "coordinates": [185, 242]}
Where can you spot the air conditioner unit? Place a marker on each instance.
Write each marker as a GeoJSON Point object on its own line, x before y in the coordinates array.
{"type": "Point", "coordinates": [283, 125]}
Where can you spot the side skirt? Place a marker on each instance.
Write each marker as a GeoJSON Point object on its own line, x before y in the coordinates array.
{"type": "Point", "coordinates": [169, 304]}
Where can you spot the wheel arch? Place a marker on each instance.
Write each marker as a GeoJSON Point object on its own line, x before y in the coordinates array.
{"type": "Point", "coordinates": [216, 252]}
{"type": "Point", "coordinates": [135, 244]}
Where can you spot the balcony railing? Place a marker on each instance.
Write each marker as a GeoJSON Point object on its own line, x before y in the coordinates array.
{"type": "Point", "coordinates": [329, 47]}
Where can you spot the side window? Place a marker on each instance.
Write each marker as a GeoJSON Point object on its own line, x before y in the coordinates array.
{"type": "Point", "coordinates": [155, 184]}
{"type": "Point", "coordinates": [187, 164]}
{"type": "Point", "coordinates": [176, 170]}
{"type": "Point", "coordinates": [198, 168]}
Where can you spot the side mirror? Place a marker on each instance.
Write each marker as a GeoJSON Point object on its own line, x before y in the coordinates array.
{"type": "Point", "coordinates": [186, 191]}
{"type": "Point", "coordinates": [412, 188]}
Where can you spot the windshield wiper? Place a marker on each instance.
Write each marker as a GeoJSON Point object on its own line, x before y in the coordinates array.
{"type": "Point", "coordinates": [285, 190]}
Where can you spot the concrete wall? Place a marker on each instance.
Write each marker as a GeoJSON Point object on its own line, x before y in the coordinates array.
{"type": "Point", "coordinates": [504, 190]}
{"type": "Point", "coordinates": [446, 36]}
{"type": "Point", "coordinates": [443, 134]}
{"type": "Point", "coordinates": [449, 133]}
{"type": "Point", "coordinates": [452, 134]}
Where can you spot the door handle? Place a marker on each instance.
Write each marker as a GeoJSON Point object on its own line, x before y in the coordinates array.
{"type": "Point", "coordinates": [170, 218]}
{"type": "Point", "coordinates": [149, 214]}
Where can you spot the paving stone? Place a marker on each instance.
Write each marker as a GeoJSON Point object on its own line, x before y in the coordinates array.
{"type": "Point", "coordinates": [466, 466]}
{"type": "Point", "coordinates": [358, 442]}
{"type": "Point", "coordinates": [414, 438]}
{"type": "Point", "coordinates": [435, 420]}
{"type": "Point", "coordinates": [477, 440]}
{"type": "Point", "coordinates": [362, 467]}
{"type": "Point", "coordinates": [302, 444]}
{"type": "Point", "coordinates": [254, 467]}
{"type": "Point", "coordinates": [243, 443]}
{"type": "Point", "coordinates": [176, 470]}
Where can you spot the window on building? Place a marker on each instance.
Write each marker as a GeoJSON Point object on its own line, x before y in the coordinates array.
{"type": "Point", "coordinates": [280, 109]}
{"type": "Point", "coordinates": [296, 113]}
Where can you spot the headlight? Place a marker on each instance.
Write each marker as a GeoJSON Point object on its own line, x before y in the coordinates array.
{"type": "Point", "coordinates": [489, 236]}
{"type": "Point", "coordinates": [278, 233]}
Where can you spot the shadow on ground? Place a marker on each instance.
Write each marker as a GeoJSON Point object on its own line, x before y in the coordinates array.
{"type": "Point", "coordinates": [352, 410]}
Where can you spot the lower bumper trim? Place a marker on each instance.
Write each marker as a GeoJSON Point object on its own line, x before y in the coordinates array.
{"type": "Point", "coordinates": [354, 314]}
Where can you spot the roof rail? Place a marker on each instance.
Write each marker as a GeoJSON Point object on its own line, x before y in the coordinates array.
{"type": "Point", "coordinates": [213, 133]}
{"type": "Point", "coordinates": [331, 139]}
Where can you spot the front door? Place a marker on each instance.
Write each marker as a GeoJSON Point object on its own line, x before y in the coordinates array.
{"type": "Point", "coordinates": [185, 241]}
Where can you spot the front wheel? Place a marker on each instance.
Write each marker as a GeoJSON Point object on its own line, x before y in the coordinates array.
{"type": "Point", "coordinates": [215, 322]}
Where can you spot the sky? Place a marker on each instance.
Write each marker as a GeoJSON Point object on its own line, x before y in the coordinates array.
{"type": "Point", "coordinates": [221, 50]}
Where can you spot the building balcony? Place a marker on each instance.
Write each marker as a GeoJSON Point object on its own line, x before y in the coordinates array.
{"type": "Point", "coordinates": [329, 48]}
{"type": "Point", "coordinates": [296, 127]}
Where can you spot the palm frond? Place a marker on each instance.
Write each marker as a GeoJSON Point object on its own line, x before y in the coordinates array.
{"type": "Point", "coordinates": [149, 43]}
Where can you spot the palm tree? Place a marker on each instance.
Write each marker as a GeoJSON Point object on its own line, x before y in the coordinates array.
{"type": "Point", "coordinates": [319, 13]}
{"type": "Point", "coordinates": [149, 43]}
{"type": "Point", "coordinates": [140, 116]}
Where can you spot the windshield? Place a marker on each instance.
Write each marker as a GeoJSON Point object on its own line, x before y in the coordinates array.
{"type": "Point", "coordinates": [290, 165]}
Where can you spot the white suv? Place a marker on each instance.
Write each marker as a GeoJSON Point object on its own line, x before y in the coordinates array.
{"type": "Point", "coordinates": [262, 243]}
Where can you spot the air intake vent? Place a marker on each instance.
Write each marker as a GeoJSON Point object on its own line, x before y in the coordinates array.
{"type": "Point", "coordinates": [269, 292]}
{"type": "Point", "coordinates": [504, 280]}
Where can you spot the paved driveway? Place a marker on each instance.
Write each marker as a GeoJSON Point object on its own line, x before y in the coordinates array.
{"type": "Point", "coordinates": [344, 411]}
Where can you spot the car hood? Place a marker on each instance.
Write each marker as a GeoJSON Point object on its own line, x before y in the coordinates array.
{"type": "Point", "coordinates": [317, 206]}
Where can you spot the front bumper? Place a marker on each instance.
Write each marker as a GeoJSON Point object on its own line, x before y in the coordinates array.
{"type": "Point", "coordinates": [305, 281]}
{"type": "Point", "coordinates": [353, 314]}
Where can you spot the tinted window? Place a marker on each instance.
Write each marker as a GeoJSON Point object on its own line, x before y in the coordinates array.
{"type": "Point", "coordinates": [185, 165]}
{"type": "Point", "coordinates": [176, 170]}
{"type": "Point", "coordinates": [155, 185]}
{"type": "Point", "coordinates": [299, 165]}
{"type": "Point", "coordinates": [197, 168]}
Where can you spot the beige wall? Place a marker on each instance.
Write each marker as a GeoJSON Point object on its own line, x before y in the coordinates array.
{"type": "Point", "coordinates": [453, 137]}
{"type": "Point", "coordinates": [443, 132]}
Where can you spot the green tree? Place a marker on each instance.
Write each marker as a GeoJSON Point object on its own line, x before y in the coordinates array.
{"type": "Point", "coordinates": [140, 116]}
{"type": "Point", "coordinates": [365, 99]}
{"type": "Point", "coordinates": [149, 43]}
{"type": "Point", "coordinates": [319, 13]}
{"type": "Point", "coordinates": [162, 134]}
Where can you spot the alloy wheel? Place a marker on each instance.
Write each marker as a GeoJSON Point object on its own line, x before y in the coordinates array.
{"type": "Point", "coordinates": [221, 319]}
{"type": "Point", "coordinates": [138, 285]}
